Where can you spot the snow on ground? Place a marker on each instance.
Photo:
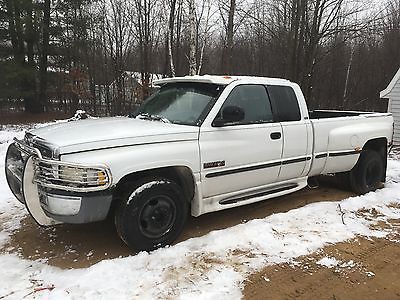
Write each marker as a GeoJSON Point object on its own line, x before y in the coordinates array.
{"type": "Point", "coordinates": [11, 211]}
{"type": "Point", "coordinates": [207, 267]}
{"type": "Point", "coordinates": [331, 262]}
{"type": "Point", "coordinates": [328, 262]}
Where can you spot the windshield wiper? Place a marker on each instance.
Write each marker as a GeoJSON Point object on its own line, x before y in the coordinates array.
{"type": "Point", "coordinates": [147, 116]}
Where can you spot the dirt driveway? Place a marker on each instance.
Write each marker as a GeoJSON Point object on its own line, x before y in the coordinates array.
{"type": "Point", "coordinates": [77, 246]}
{"type": "Point", "coordinates": [365, 269]}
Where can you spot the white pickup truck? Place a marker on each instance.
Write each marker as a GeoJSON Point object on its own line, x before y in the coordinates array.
{"type": "Point", "coordinates": [199, 144]}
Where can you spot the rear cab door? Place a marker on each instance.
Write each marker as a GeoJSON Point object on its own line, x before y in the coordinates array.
{"type": "Point", "coordinates": [288, 105]}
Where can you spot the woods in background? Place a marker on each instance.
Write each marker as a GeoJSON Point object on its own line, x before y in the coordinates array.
{"type": "Point", "coordinates": [102, 55]}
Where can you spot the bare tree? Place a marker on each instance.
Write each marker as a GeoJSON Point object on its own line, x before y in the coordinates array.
{"type": "Point", "coordinates": [44, 53]}
{"type": "Point", "coordinates": [119, 42]}
{"type": "Point", "coordinates": [170, 35]}
{"type": "Point", "coordinates": [192, 38]}
{"type": "Point", "coordinates": [96, 45]}
{"type": "Point", "coordinates": [204, 20]}
{"type": "Point", "coordinates": [148, 29]}
{"type": "Point", "coordinates": [228, 22]}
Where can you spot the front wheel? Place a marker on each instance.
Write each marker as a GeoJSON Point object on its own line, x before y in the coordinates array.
{"type": "Point", "coordinates": [367, 174]}
{"type": "Point", "coordinates": [152, 214]}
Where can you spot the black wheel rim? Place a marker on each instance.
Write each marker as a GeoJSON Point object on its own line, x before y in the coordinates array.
{"type": "Point", "coordinates": [372, 174]}
{"type": "Point", "coordinates": [157, 216]}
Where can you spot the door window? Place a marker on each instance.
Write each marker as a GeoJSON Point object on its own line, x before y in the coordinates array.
{"type": "Point", "coordinates": [254, 101]}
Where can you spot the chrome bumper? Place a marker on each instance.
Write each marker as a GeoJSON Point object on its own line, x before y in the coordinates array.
{"type": "Point", "coordinates": [60, 205]}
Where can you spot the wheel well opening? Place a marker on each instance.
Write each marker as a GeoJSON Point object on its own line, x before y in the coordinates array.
{"type": "Point", "coordinates": [380, 146]}
{"type": "Point", "coordinates": [181, 175]}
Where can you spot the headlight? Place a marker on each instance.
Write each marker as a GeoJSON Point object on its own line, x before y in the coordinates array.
{"type": "Point", "coordinates": [86, 176]}
{"type": "Point", "coordinates": [71, 173]}
{"type": "Point", "coordinates": [67, 176]}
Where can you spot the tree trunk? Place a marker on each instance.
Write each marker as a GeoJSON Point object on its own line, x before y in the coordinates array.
{"type": "Point", "coordinates": [192, 45]}
{"type": "Point", "coordinates": [170, 37]}
{"type": "Point", "coordinates": [346, 83]}
{"type": "Point", "coordinates": [205, 39]}
{"type": "Point", "coordinates": [311, 51]}
{"type": "Point", "coordinates": [26, 70]}
{"type": "Point", "coordinates": [13, 14]}
{"type": "Point", "coordinates": [229, 39]}
{"type": "Point", "coordinates": [43, 58]}
{"type": "Point", "coordinates": [178, 31]}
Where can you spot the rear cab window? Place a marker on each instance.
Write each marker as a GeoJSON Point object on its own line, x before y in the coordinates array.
{"type": "Point", "coordinates": [284, 102]}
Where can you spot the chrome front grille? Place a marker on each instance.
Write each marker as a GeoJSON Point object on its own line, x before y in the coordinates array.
{"type": "Point", "coordinates": [55, 174]}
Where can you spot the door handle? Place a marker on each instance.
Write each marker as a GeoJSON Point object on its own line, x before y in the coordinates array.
{"type": "Point", "coordinates": [275, 135]}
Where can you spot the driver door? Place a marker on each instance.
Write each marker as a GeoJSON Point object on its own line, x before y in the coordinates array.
{"type": "Point", "coordinates": [244, 154]}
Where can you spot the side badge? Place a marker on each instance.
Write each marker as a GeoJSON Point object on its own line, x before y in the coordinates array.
{"type": "Point", "coordinates": [214, 164]}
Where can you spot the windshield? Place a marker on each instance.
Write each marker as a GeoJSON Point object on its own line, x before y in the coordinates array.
{"type": "Point", "coordinates": [185, 103]}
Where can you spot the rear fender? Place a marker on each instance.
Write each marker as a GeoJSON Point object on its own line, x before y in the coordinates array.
{"type": "Point", "coordinates": [346, 143]}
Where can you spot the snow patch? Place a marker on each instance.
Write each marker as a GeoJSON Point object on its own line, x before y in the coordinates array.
{"type": "Point", "coordinates": [80, 115]}
{"type": "Point", "coordinates": [370, 274]}
{"type": "Point", "coordinates": [11, 210]}
{"type": "Point", "coordinates": [328, 262]}
{"type": "Point", "coordinates": [144, 187]}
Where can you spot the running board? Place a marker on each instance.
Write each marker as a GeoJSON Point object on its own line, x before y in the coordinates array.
{"type": "Point", "coordinates": [270, 191]}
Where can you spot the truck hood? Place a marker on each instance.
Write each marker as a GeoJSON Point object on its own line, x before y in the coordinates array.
{"type": "Point", "coordinates": [91, 134]}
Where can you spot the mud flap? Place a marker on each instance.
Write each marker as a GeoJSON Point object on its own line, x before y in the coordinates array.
{"type": "Point", "coordinates": [31, 196]}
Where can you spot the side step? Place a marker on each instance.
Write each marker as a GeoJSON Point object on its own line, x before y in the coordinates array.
{"type": "Point", "coordinates": [273, 190]}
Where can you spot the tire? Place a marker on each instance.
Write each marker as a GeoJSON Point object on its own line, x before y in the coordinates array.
{"type": "Point", "coordinates": [151, 214]}
{"type": "Point", "coordinates": [343, 180]}
{"type": "Point", "coordinates": [367, 174]}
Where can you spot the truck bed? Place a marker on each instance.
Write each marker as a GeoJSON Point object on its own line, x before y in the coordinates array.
{"type": "Point", "coordinates": [339, 136]}
{"type": "Point", "coordinates": [325, 114]}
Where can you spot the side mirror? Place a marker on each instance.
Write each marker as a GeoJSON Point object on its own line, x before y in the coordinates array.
{"type": "Point", "coordinates": [229, 114]}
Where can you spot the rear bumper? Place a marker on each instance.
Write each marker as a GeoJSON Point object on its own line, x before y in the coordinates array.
{"type": "Point", "coordinates": [51, 206]}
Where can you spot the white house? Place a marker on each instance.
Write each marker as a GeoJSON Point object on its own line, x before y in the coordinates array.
{"type": "Point", "coordinates": [392, 92]}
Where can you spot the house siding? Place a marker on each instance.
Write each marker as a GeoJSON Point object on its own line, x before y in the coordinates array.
{"type": "Point", "coordinates": [392, 92]}
{"type": "Point", "coordinates": [394, 108]}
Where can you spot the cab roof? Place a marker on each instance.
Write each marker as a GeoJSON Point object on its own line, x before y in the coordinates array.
{"type": "Point", "coordinates": [221, 80]}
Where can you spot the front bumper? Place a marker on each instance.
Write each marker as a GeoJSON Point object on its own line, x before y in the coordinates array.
{"type": "Point", "coordinates": [49, 205]}
{"type": "Point", "coordinates": [75, 208]}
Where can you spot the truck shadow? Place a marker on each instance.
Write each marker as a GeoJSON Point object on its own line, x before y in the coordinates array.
{"type": "Point", "coordinates": [79, 246]}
